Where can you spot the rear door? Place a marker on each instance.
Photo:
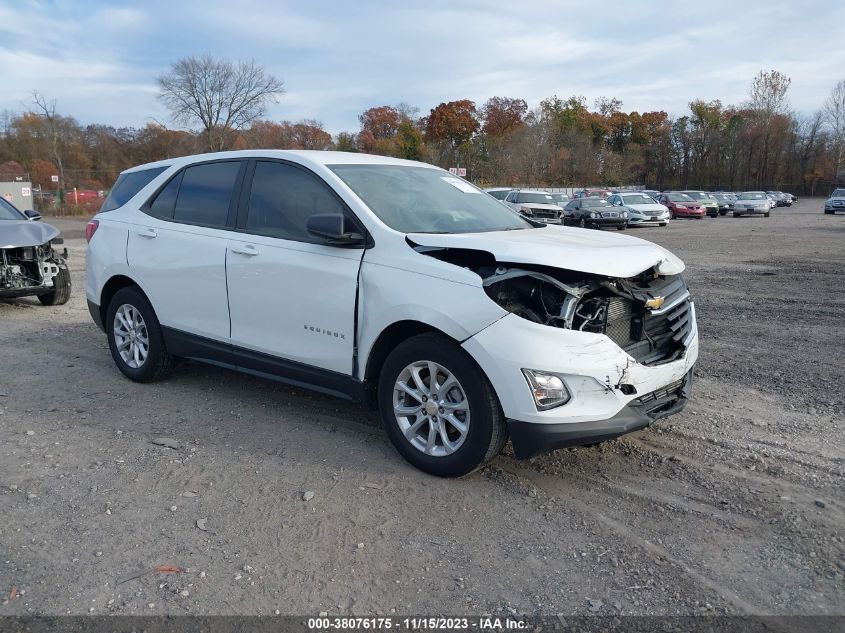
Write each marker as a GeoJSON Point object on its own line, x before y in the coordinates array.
{"type": "Point", "coordinates": [291, 295]}
{"type": "Point", "coordinates": [178, 253]}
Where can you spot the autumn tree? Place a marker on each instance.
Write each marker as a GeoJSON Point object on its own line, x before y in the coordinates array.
{"type": "Point", "coordinates": [218, 95]}
{"type": "Point", "coordinates": [503, 115]}
{"type": "Point", "coordinates": [451, 125]}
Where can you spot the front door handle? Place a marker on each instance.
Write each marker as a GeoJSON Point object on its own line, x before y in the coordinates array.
{"type": "Point", "coordinates": [246, 249]}
{"type": "Point", "coordinates": [147, 233]}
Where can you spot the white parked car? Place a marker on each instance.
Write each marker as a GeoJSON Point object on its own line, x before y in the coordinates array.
{"type": "Point", "coordinates": [642, 209]}
{"type": "Point", "coordinates": [536, 204]}
{"type": "Point", "coordinates": [396, 284]}
{"type": "Point", "coordinates": [752, 203]}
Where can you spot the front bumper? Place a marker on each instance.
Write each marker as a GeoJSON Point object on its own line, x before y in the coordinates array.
{"type": "Point", "coordinates": [532, 439]}
{"type": "Point", "coordinates": [751, 210]}
{"type": "Point", "coordinates": [647, 220]}
{"type": "Point", "coordinates": [601, 222]}
{"type": "Point", "coordinates": [604, 381]}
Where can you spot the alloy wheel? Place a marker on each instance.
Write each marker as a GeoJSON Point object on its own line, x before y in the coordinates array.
{"type": "Point", "coordinates": [431, 408]}
{"type": "Point", "coordinates": [131, 337]}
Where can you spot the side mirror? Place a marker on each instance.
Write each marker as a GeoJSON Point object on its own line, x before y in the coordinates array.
{"type": "Point", "coordinates": [32, 215]}
{"type": "Point", "coordinates": [334, 228]}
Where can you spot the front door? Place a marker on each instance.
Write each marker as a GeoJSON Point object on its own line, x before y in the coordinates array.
{"type": "Point", "coordinates": [291, 296]}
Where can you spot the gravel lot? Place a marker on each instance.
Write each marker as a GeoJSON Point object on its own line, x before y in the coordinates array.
{"type": "Point", "coordinates": [735, 506]}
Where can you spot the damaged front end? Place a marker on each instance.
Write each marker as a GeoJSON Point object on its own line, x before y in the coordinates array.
{"type": "Point", "coordinates": [649, 316]}
{"type": "Point", "coordinates": [31, 270]}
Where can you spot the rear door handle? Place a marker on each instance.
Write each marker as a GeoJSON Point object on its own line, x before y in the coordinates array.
{"type": "Point", "coordinates": [246, 249]}
{"type": "Point", "coordinates": [147, 233]}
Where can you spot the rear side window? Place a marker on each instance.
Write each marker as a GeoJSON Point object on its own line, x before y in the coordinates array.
{"type": "Point", "coordinates": [128, 185]}
{"type": "Point", "coordinates": [165, 202]}
{"type": "Point", "coordinates": [282, 199]}
{"type": "Point", "coordinates": [205, 194]}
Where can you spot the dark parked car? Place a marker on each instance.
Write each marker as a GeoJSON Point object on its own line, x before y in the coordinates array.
{"type": "Point", "coordinates": [595, 213]}
{"type": "Point", "coordinates": [29, 265]}
{"type": "Point", "coordinates": [725, 202]}
{"type": "Point", "coordinates": [681, 205]}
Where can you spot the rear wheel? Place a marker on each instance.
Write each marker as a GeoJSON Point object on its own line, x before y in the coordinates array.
{"type": "Point", "coordinates": [438, 408]}
{"type": "Point", "coordinates": [135, 339]}
{"type": "Point", "coordinates": [60, 293]}
{"type": "Point", "coordinates": [621, 228]}
{"type": "Point", "coordinates": [583, 223]}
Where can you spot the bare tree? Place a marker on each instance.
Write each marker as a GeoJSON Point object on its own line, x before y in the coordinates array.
{"type": "Point", "coordinates": [768, 100]}
{"type": "Point", "coordinates": [46, 109]}
{"type": "Point", "coordinates": [218, 94]}
{"type": "Point", "coordinates": [834, 113]}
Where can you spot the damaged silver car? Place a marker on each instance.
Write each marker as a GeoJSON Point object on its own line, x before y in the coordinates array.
{"type": "Point", "coordinates": [30, 265]}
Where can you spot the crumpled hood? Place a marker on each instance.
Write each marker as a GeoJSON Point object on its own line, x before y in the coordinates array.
{"type": "Point", "coordinates": [18, 233]}
{"type": "Point", "coordinates": [594, 252]}
{"type": "Point", "coordinates": [541, 205]}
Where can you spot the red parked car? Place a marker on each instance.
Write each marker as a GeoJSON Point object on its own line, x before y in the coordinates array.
{"type": "Point", "coordinates": [681, 205]}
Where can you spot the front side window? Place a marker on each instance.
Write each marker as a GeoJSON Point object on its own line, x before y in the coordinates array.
{"type": "Point", "coordinates": [282, 199]}
{"type": "Point", "coordinates": [205, 194]}
{"type": "Point", "coordinates": [414, 199]}
{"type": "Point", "coordinates": [127, 186]}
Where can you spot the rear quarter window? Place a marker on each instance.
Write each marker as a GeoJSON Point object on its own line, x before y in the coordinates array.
{"type": "Point", "coordinates": [128, 185]}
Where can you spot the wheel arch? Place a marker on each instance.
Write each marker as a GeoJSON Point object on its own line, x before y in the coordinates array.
{"type": "Point", "coordinates": [385, 342]}
{"type": "Point", "coordinates": [110, 288]}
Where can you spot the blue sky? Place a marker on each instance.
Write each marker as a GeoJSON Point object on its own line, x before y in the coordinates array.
{"type": "Point", "coordinates": [99, 59]}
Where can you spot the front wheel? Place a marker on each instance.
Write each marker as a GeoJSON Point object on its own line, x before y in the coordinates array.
{"type": "Point", "coordinates": [663, 223]}
{"type": "Point", "coordinates": [621, 228]}
{"type": "Point", "coordinates": [135, 339]}
{"type": "Point", "coordinates": [438, 408]}
{"type": "Point", "coordinates": [60, 293]}
{"type": "Point", "coordinates": [583, 223]}
{"type": "Point", "coordinates": [767, 213]}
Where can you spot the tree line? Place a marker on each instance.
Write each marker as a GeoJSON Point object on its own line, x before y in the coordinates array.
{"type": "Point", "coordinates": [562, 142]}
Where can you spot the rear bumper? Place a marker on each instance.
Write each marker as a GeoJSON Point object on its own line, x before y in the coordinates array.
{"type": "Point", "coordinates": [533, 439]}
{"type": "Point", "coordinates": [94, 310]}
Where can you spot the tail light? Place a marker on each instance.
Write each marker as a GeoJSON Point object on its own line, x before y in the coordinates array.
{"type": "Point", "coordinates": [90, 229]}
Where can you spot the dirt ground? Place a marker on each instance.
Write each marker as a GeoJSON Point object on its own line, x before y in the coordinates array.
{"type": "Point", "coordinates": [736, 505]}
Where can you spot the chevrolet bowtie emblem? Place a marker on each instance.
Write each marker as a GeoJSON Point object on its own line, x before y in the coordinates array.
{"type": "Point", "coordinates": [655, 304]}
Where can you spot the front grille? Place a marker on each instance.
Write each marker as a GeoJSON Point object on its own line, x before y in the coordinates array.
{"type": "Point", "coordinates": [670, 390]}
{"type": "Point", "coordinates": [651, 337]}
{"type": "Point", "coordinates": [544, 213]}
{"type": "Point", "coordinates": [610, 214]}
{"type": "Point", "coordinates": [839, 203]}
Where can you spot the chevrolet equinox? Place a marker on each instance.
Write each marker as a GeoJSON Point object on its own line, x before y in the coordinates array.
{"type": "Point", "coordinates": [396, 284]}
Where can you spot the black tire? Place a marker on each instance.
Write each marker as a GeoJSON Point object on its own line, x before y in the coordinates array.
{"type": "Point", "coordinates": [621, 228]}
{"type": "Point", "coordinates": [828, 212]}
{"type": "Point", "coordinates": [158, 363]}
{"type": "Point", "coordinates": [766, 214]}
{"type": "Point", "coordinates": [737, 215]}
{"type": "Point", "coordinates": [723, 212]}
{"type": "Point", "coordinates": [583, 223]}
{"type": "Point", "coordinates": [60, 293]}
{"type": "Point", "coordinates": [487, 431]}
{"type": "Point", "coordinates": [663, 223]}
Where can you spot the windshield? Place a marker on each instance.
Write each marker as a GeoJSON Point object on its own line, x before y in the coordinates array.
{"type": "Point", "coordinates": [839, 193]}
{"type": "Point", "coordinates": [499, 194]}
{"type": "Point", "coordinates": [752, 195]}
{"type": "Point", "coordinates": [594, 202]}
{"type": "Point", "coordinates": [425, 200]}
{"type": "Point", "coordinates": [560, 197]}
{"type": "Point", "coordinates": [699, 195]}
{"type": "Point", "coordinates": [8, 211]}
{"type": "Point", "coordinates": [536, 198]}
{"type": "Point", "coordinates": [637, 198]}
{"type": "Point", "coordinates": [679, 197]}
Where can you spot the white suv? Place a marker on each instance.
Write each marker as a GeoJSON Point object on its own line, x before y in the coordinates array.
{"type": "Point", "coordinates": [397, 284]}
